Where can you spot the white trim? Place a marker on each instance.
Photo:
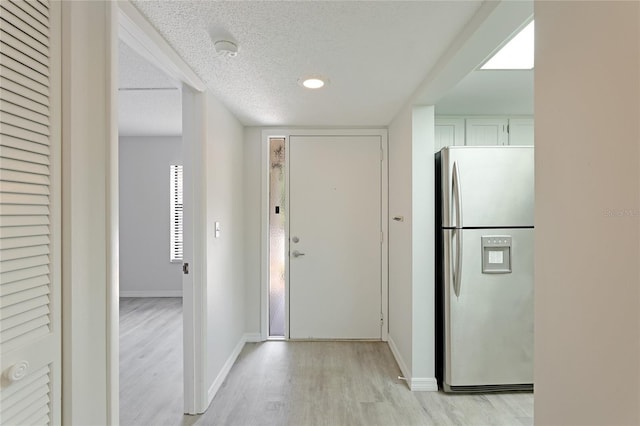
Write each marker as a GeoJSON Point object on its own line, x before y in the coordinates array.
{"type": "Point", "coordinates": [406, 372]}
{"type": "Point", "coordinates": [417, 384]}
{"type": "Point", "coordinates": [151, 293]}
{"type": "Point", "coordinates": [424, 384]}
{"type": "Point", "coordinates": [226, 368]}
{"type": "Point", "coordinates": [264, 234]}
{"type": "Point", "coordinates": [194, 232]}
{"type": "Point", "coordinates": [264, 215]}
{"type": "Point", "coordinates": [113, 222]}
{"type": "Point", "coordinates": [384, 185]}
{"type": "Point", "coordinates": [142, 37]}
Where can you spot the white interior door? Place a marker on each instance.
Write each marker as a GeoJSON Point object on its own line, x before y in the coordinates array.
{"type": "Point", "coordinates": [30, 358]}
{"type": "Point", "coordinates": [335, 237]}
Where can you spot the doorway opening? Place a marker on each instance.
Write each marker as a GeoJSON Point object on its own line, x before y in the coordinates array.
{"type": "Point", "coordinates": [277, 238]}
{"type": "Point", "coordinates": [150, 162]}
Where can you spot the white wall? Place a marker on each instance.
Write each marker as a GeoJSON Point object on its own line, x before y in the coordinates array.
{"type": "Point", "coordinates": [400, 240]}
{"type": "Point", "coordinates": [411, 245]}
{"type": "Point", "coordinates": [252, 226]}
{"type": "Point", "coordinates": [587, 94]}
{"type": "Point", "coordinates": [145, 268]}
{"type": "Point", "coordinates": [225, 261]}
{"type": "Point", "coordinates": [423, 250]}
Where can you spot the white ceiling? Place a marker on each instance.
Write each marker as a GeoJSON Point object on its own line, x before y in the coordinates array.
{"type": "Point", "coordinates": [375, 53]}
{"type": "Point", "coordinates": [149, 103]}
{"type": "Point", "coordinates": [490, 93]}
{"type": "Point", "coordinates": [366, 88]}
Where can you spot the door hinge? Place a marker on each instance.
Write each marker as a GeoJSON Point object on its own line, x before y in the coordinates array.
{"type": "Point", "coordinates": [381, 236]}
{"type": "Point", "coordinates": [185, 268]}
{"type": "Point", "coordinates": [381, 319]}
{"type": "Point", "coordinates": [507, 129]}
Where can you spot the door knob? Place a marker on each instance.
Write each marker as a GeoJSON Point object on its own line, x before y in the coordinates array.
{"type": "Point", "coordinates": [296, 253]}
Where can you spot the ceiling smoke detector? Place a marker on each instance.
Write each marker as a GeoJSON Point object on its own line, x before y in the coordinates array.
{"type": "Point", "coordinates": [226, 48]}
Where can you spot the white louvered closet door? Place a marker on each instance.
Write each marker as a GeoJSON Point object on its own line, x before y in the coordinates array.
{"type": "Point", "coordinates": [30, 212]}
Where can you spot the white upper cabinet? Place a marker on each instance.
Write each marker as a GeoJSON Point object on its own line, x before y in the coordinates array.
{"type": "Point", "coordinates": [486, 131]}
{"type": "Point", "coordinates": [521, 131]}
{"type": "Point", "coordinates": [483, 131]}
{"type": "Point", "coordinates": [448, 132]}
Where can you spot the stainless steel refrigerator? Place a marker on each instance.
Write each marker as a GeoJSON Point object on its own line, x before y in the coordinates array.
{"type": "Point", "coordinates": [484, 268]}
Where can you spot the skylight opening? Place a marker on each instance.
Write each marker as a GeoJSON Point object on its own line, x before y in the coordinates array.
{"type": "Point", "coordinates": [517, 54]}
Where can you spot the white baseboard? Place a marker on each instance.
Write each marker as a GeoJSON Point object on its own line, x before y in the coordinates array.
{"type": "Point", "coordinates": [416, 384]}
{"type": "Point", "coordinates": [150, 293]}
{"type": "Point", "coordinates": [253, 337]}
{"type": "Point", "coordinates": [424, 384]}
{"type": "Point", "coordinates": [396, 354]}
{"type": "Point", "coordinates": [215, 386]}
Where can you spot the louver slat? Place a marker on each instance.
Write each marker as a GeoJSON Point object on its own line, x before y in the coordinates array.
{"type": "Point", "coordinates": [27, 400]}
{"type": "Point", "coordinates": [25, 48]}
{"type": "Point", "coordinates": [21, 74]}
{"type": "Point", "coordinates": [9, 209]}
{"type": "Point", "coordinates": [23, 112]}
{"type": "Point", "coordinates": [8, 221]}
{"type": "Point", "coordinates": [23, 242]}
{"type": "Point", "coordinates": [22, 155]}
{"type": "Point", "coordinates": [25, 38]}
{"type": "Point", "coordinates": [25, 188]}
{"type": "Point", "coordinates": [23, 21]}
{"type": "Point", "coordinates": [22, 231]}
{"type": "Point", "coordinates": [15, 176]}
{"type": "Point", "coordinates": [22, 318]}
{"type": "Point", "coordinates": [33, 12]}
{"type": "Point", "coordinates": [12, 142]}
{"type": "Point", "coordinates": [22, 166]}
{"type": "Point", "coordinates": [44, 10]}
{"type": "Point", "coordinates": [39, 278]}
{"type": "Point", "coordinates": [21, 100]}
{"type": "Point", "coordinates": [23, 306]}
{"type": "Point", "coordinates": [17, 55]}
{"type": "Point", "coordinates": [23, 123]}
{"type": "Point", "coordinates": [28, 19]}
{"type": "Point", "coordinates": [23, 253]}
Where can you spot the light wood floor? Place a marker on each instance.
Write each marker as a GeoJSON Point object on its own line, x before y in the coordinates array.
{"type": "Point", "coordinates": [326, 383]}
{"type": "Point", "coordinates": [151, 361]}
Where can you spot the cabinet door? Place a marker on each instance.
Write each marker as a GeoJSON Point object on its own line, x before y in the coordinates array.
{"type": "Point", "coordinates": [521, 131]}
{"type": "Point", "coordinates": [486, 131]}
{"type": "Point", "coordinates": [448, 132]}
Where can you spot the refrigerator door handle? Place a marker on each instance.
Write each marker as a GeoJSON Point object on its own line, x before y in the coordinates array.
{"type": "Point", "coordinates": [456, 194]}
{"type": "Point", "coordinates": [457, 266]}
{"type": "Point", "coordinates": [457, 198]}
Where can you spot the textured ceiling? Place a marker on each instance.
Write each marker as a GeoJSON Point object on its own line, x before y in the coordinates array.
{"type": "Point", "coordinates": [149, 103]}
{"type": "Point", "coordinates": [375, 54]}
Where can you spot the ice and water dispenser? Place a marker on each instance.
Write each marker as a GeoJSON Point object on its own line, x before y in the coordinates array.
{"type": "Point", "coordinates": [496, 254]}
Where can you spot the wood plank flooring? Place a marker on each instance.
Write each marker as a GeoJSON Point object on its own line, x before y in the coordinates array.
{"type": "Point", "coordinates": [151, 361]}
{"type": "Point", "coordinates": [300, 384]}
{"type": "Point", "coordinates": [344, 383]}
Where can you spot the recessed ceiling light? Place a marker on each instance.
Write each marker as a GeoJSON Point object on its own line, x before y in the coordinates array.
{"type": "Point", "coordinates": [517, 54]}
{"type": "Point", "coordinates": [313, 82]}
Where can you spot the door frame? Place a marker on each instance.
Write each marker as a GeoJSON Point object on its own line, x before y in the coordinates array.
{"type": "Point", "coordinates": [286, 133]}
{"type": "Point", "coordinates": [132, 27]}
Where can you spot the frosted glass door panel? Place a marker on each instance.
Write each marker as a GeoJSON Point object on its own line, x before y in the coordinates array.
{"type": "Point", "coordinates": [277, 243]}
